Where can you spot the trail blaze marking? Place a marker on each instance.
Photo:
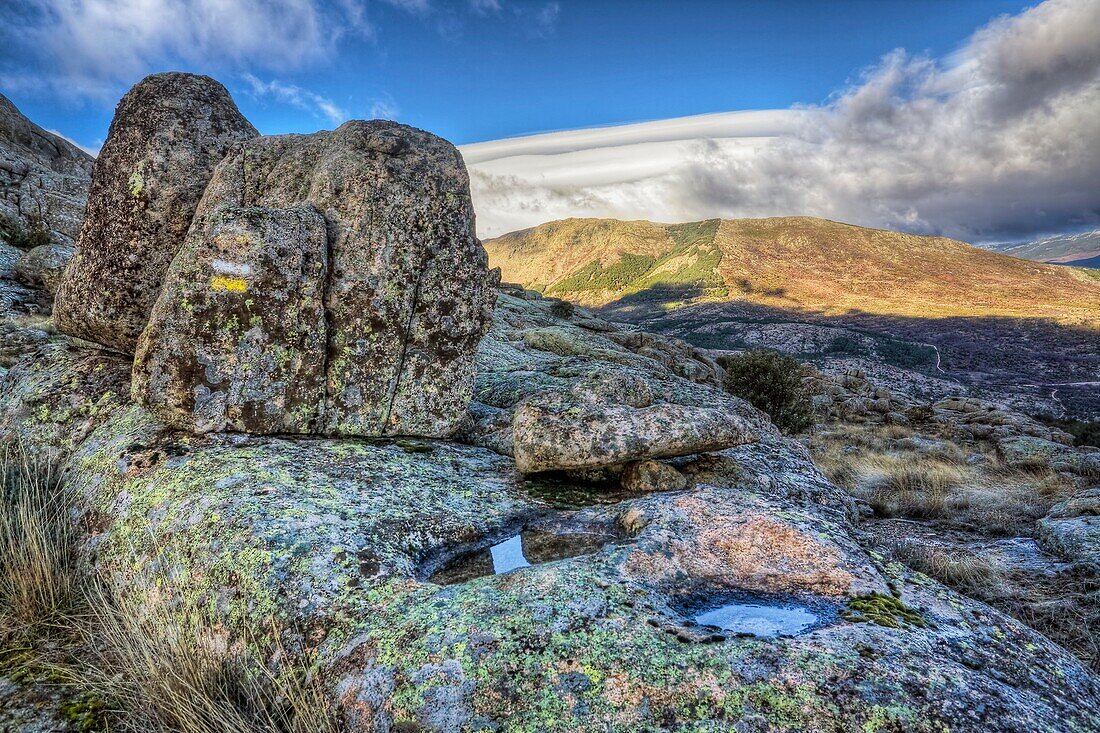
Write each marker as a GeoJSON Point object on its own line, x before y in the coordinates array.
{"type": "Point", "coordinates": [229, 284]}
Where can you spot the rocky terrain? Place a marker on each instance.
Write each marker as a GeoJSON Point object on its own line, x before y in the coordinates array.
{"type": "Point", "coordinates": [313, 435]}
{"type": "Point", "coordinates": [44, 179]}
{"type": "Point", "coordinates": [1007, 329]}
{"type": "Point", "coordinates": [44, 184]}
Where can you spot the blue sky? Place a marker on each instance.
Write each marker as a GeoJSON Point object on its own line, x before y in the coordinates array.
{"type": "Point", "coordinates": [479, 71]}
{"type": "Point", "coordinates": [978, 120]}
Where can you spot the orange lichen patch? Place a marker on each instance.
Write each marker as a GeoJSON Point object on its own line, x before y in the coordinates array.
{"type": "Point", "coordinates": [229, 284]}
{"type": "Point", "coordinates": [749, 551]}
{"type": "Point", "coordinates": [769, 555]}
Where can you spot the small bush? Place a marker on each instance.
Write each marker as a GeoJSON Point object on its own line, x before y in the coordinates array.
{"type": "Point", "coordinates": [771, 382]}
{"type": "Point", "coordinates": [1084, 432]}
{"type": "Point", "coordinates": [14, 233]}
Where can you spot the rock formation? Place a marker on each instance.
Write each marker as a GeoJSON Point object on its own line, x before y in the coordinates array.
{"type": "Point", "coordinates": [168, 134]}
{"type": "Point", "coordinates": [237, 338]}
{"type": "Point", "coordinates": [552, 433]}
{"type": "Point", "coordinates": [43, 267]}
{"type": "Point", "coordinates": [331, 284]}
{"type": "Point", "coordinates": [339, 539]}
{"type": "Point", "coordinates": [44, 179]}
{"type": "Point", "coordinates": [402, 281]}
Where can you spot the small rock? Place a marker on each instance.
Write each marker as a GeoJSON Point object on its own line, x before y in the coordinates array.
{"type": "Point", "coordinates": [650, 475]}
{"type": "Point", "coordinates": [43, 266]}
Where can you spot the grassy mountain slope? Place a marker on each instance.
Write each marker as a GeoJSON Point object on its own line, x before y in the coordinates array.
{"type": "Point", "coordinates": [794, 263]}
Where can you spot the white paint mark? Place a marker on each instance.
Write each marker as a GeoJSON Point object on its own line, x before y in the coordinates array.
{"type": "Point", "coordinates": [224, 267]}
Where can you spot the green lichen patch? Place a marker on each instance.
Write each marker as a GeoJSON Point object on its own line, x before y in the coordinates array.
{"type": "Point", "coordinates": [87, 713]}
{"type": "Point", "coordinates": [882, 610]}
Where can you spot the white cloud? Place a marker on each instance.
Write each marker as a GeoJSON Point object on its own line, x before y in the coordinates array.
{"type": "Point", "coordinates": [546, 18]}
{"type": "Point", "coordinates": [295, 96]}
{"type": "Point", "coordinates": [91, 47]}
{"type": "Point", "coordinates": [416, 7]}
{"type": "Point", "coordinates": [1000, 140]}
{"type": "Point", "coordinates": [94, 152]}
{"type": "Point", "coordinates": [384, 109]}
{"type": "Point", "coordinates": [485, 6]}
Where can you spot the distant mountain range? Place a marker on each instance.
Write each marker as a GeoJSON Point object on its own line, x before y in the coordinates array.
{"type": "Point", "coordinates": [1079, 250]}
{"type": "Point", "coordinates": [799, 264]}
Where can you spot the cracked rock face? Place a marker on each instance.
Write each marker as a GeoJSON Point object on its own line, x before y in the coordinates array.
{"type": "Point", "coordinates": [43, 178]}
{"type": "Point", "coordinates": [331, 283]}
{"type": "Point", "coordinates": [236, 340]}
{"type": "Point", "coordinates": [167, 135]}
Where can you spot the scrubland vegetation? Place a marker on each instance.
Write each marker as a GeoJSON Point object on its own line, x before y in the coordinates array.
{"type": "Point", "coordinates": [117, 667]}
{"type": "Point", "coordinates": [771, 382]}
{"type": "Point", "coordinates": [968, 495]}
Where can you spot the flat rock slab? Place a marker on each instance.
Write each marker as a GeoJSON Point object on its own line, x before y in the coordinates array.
{"type": "Point", "coordinates": [552, 435]}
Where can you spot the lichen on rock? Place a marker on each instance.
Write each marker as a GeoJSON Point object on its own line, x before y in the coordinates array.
{"type": "Point", "coordinates": [167, 135]}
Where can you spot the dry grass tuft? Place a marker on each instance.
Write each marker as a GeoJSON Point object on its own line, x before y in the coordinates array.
{"type": "Point", "coordinates": [910, 476]}
{"type": "Point", "coordinates": [900, 486]}
{"type": "Point", "coordinates": [962, 570]}
{"type": "Point", "coordinates": [38, 542]}
{"type": "Point", "coordinates": [171, 670]}
{"type": "Point", "coordinates": [148, 669]}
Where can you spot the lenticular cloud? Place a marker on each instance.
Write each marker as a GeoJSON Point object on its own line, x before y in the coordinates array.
{"type": "Point", "coordinates": [998, 141]}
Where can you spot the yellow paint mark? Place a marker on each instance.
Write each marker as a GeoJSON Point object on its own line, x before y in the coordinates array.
{"type": "Point", "coordinates": [230, 284]}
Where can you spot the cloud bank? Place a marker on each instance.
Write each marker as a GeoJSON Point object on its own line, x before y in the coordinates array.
{"type": "Point", "coordinates": [999, 141]}
{"type": "Point", "coordinates": [88, 48]}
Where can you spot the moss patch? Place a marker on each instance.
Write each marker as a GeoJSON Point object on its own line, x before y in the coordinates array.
{"type": "Point", "coordinates": [882, 610]}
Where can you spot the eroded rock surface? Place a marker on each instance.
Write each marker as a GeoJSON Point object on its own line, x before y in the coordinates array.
{"type": "Point", "coordinates": [43, 267]}
{"type": "Point", "coordinates": [236, 340]}
{"type": "Point", "coordinates": [406, 292]}
{"type": "Point", "coordinates": [167, 135]}
{"type": "Point", "coordinates": [44, 179]}
{"type": "Point", "coordinates": [551, 433]}
{"type": "Point", "coordinates": [338, 537]}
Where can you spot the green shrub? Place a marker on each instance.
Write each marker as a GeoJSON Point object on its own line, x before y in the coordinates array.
{"type": "Point", "coordinates": [905, 354]}
{"type": "Point", "coordinates": [1084, 432]}
{"type": "Point", "coordinates": [849, 345]}
{"type": "Point", "coordinates": [771, 382]}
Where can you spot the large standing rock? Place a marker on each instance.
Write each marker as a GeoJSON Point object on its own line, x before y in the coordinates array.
{"type": "Point", "coordinates": [168, 134]}
{"type": "Point", "coordinates": [407, 291]}
{"type": "Point", "coordinates": [44, 179]}
{"type": "Point", "coordinates": [237, 339]}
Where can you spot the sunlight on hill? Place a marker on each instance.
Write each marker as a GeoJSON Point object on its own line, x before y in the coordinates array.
{"type": "Point", "coordinates": [797, 263]}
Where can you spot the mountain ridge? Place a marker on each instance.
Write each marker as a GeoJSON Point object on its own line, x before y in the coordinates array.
{"type": "Point", "coordinates": [1080, 250]}
{"type": "Point", "coordinates": [797, 263]}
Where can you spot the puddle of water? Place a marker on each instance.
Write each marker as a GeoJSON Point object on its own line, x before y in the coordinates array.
{"type": "Point", "coordinates": [764, 620]}
{"type": "Point", "coordinates": [508, 555]}
{"type": "Point", "coordinates": [530, 547]}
